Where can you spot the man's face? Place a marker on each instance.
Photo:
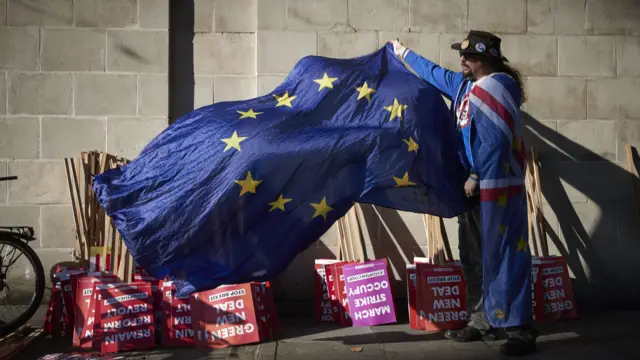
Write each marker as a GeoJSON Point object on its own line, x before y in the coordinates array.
{"type": "Point", "coordinates": [470, 65]}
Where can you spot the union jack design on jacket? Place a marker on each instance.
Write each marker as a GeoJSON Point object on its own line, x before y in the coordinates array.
{"type": "Point", "coordinates": [492, 146]}
{"type": "Point", "coordinates": [498, 155]}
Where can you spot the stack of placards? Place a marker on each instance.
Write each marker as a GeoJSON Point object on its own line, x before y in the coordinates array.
{"type": "Point", "coordinates": [322, 302]}
{"type": "Point", "coordinates": [97, 311]}
{"type": "Point", "coordinates": [229, 315]}
{"type": "Point", "coordinates": [353, 293]}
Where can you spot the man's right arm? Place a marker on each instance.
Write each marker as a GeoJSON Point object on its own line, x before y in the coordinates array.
{"type": "Point", "coordinates": [447, 81]}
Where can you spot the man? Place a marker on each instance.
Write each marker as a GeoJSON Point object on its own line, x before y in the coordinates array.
{"type": "Point", "coordinates": [485, 99]}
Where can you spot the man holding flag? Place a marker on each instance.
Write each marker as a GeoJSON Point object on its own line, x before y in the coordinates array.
{"type": "Point", "coordinates": [486, 96]}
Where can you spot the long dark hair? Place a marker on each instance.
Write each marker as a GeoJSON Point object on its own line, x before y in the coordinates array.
{"type": "Point", "coordinates": [501, 66]}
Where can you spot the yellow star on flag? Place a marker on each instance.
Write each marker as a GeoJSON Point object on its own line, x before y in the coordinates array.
{"type": "Point", "coordinates": [322, 209]}
{"type": "Point", "coordinates": [503, 229]}
{"type": "Point", "coordinates": [279, 204]}
{"type": "Point", "coordinates": [413, 146]}
{"type": "Point", "coordinates": [502, 200]}
{"type": "Point", "coordinates": [395, 109]}
{"type": "Point", "coordinates": [325, 82]}
{"type": "Point", "coordinates": [248, 184]}
{"type": "Point", "coordinates": [284, 100]}
{"type": "Point", "coordinates": [248, 114]}
{"type": "Point", "coordinates": [506, 168]}
{"type": "Point", "coordinates": [365, 92]}
{"type": "Point", "coordinates": [522, 245]}
{"type": "Point", "coordinates": [404, 181]}
{"type": "Point", "coordinates": [233, 141]}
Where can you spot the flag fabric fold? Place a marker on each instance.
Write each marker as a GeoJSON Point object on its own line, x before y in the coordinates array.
{"type": "Point", "coordinates": [499, 155]}
{"type": "Point", "coordinates": [233, 191]}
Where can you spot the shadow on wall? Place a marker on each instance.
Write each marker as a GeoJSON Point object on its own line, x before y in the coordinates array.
{"type": "Point", "coordinates": [598, 233]}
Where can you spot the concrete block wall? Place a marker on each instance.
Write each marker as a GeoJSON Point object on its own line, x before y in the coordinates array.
{"type": "Point", "coordinates": [78, 74]}
{"type": "Point", "coordinates": [75, 75]}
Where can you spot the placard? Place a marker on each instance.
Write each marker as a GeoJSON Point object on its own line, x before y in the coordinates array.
{"type": "Point", "coordinates": [124, 317]}
{"type": "Point", "coordinates": [557, 300]}
{"type": "Point", "coordinates": [178, 328]}
{"type": "Point", "coordinates": [441, 297]}
{"type": "Point", "coordinates": [412, 292]}
{"type": "Point", "coordinates": [84, 311]}
{"type": "Point", "coordinates": [225, 317]}
{"type": "Point", "coordinates": [369, 293]}
{"type": "Point", "coordinates": [322, 303]}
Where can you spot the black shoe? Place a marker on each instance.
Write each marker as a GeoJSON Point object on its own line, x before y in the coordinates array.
{"type": "Point", "coordinates": [468, 334]}
{"type": "Point", "coordinates": [517, 347]}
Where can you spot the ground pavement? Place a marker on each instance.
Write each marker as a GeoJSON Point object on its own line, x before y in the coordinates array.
{"type": "Point", "coordinates": [609, 336]}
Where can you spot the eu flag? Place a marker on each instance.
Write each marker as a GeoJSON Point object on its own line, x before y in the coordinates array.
{"type": "Point", "coordinates": [233, 191]}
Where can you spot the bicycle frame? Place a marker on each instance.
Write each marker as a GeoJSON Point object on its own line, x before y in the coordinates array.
{"type": "Point", "coordinates": [24, 233]}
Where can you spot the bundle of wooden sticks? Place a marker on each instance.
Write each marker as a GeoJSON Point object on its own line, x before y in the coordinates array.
{"type": "Point", "coordinates": [351, 239]}
{"type": "Point", "coordinates": [536, 221]}
{"type": "Point", "coordinates": [99, 247]}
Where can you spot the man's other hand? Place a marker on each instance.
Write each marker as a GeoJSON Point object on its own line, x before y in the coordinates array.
{"type": "Point", "coordinates": [471, 187]}
{"type": "Point", "coordinates": [398, 48]}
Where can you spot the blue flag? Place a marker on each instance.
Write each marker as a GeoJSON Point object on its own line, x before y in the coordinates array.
{"type": "Point", "coordinates": [233, 191]}
{"type": "Point", "coordinates": [499, 155]}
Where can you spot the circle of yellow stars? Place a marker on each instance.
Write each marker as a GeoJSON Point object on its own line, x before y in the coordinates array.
{"type": "Point", "coordinates": [249, 185]}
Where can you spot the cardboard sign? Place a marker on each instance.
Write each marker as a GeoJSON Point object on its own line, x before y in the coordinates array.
{"type": "Point", "coordinates": [124, 317]}
{"type": "Point", "coordinates": [274, 322]}
{"type": "Point", "coordinates": [411, 296]}
{"type": "Point", "coordinates": [332, 292]}
{"type": "Point", "coordinates": [441, 297]}
{"type": "Point", "coordinates": [369, 293]}
{"type": "Point", "coordinates": [555, 300]}
{"type": "Point", "coordinates": [537, 291]}
{"type": "Point", "coordinates": [322, 303]}
{"type": "Point", "coordinates": [412, 292]}
{"type": "Point", "coordinates": [343, 299]}
{"type": "Point", "coordinates": [156, 290]}
{"type": "Point", "coordinates": [54, 318]}
{"type": "Point", "coordinates": [225, 317]}
{"type": "Point", "coordinates": [178, 329]}
{"type": "Point", "coordinates": [68, 296]}
{"type": "Point", "coordinates": [84, 310]}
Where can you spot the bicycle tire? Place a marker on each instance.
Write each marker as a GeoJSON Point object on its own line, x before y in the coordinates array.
{"type": "Point", "coordinates": [33, 258]}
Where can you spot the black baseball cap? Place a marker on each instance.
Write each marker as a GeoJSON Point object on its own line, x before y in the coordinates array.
{"type": "Point", "coordinates": [481, 43]}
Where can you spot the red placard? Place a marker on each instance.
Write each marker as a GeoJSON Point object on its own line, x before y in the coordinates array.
{"type": "Point", "coordinates": [411, 296]}
{"type": "Point", "coordinates": [332, 292]}
{"type": "Point", "coordinates": [555, 300]}
{"type": "Point", "coordinates": [178, 328]}
{"type": "Point", "coordinates": [54, 318]}
{"type": "Point", "coordinates": [124, 317]}
{"type": "Point", "coordinates": [441, 297]}
{"type": "Point", "coordinates": [84, 310]}
{"type": "Point", "coordinates": [225, 317]}
{"type": "Point", "coordinates": [156, 290]}
{"type": "Point", "coordinates": [412, 292]}
{"type": "Point", "coordinates": [274, 322]}
{"type": "Point", "coordinates": [66, 276]}
{"type": "Point", "coordinates": [343, 301]}
{"type": "Point", "coordinates": [322, 304]}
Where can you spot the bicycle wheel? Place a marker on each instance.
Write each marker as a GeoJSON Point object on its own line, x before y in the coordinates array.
{"type": "Point", "coordinates": [17, 255]}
